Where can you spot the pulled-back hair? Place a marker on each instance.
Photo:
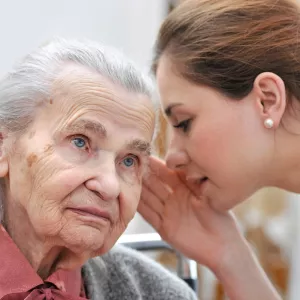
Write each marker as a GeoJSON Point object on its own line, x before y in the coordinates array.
{"type": "Point", "coordinates": [225, 44]}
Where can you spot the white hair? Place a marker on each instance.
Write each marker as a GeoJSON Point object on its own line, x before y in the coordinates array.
{"type": "Point", "coordinates": [30, 81]}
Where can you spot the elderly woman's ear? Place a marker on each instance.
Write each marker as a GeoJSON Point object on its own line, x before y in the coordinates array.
{"type": "Point", "coordinates": [3, 157]}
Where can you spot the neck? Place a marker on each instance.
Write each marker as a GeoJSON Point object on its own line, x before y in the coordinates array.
{"type": "Point", "coordinates": [284, 172]}
{"type": "Point", "coordinates": [44, 257]}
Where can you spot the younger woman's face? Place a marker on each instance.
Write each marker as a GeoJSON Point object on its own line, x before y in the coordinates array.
{"type": "Point", "coordinates": [220, 143]}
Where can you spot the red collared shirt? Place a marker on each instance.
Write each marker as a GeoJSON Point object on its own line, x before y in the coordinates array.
{"type": "Point", "coordinates": [18, 280]}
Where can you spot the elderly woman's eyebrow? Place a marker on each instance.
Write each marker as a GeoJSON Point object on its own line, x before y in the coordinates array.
{"type": "Point", "coordinates": [84, 125]}
{"type": "Point", "coordinates": [140, 146]}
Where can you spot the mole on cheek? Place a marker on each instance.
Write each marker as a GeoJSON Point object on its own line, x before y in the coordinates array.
{"type": "Point", "coordinates": [31, 159]}
{"type": "Point", "coordinates": [51, 101]}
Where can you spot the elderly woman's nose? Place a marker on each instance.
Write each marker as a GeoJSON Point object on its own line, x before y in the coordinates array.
{"type": "Point", "coordinates": [176, 157]}
{"type": "Point", "coordinates": [106, 185]}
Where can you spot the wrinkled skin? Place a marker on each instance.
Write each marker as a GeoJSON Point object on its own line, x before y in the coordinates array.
{"type": "Point", "coordinates": [87, 147]}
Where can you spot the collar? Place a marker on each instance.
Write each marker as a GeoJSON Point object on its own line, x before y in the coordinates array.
{"type": "Point", "coordinates": [17, 275]}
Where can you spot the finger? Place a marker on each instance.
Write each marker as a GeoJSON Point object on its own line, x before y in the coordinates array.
{"type": "Point", "coordinates": [157, 187]}
{"type": "Point", "coordinates": [193, 187]}
{"type": "Point", "coordinates": [150, 215]}
{"type": "Point", "coordinates": [152, 200]}
{"type": "Point", "coordinates": [159, 168]}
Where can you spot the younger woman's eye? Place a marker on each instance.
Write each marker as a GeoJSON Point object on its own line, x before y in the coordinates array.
{"type": "Point", "coordinates": [79, 142]}
{"type": "Point", "coordinates": [184, 125]}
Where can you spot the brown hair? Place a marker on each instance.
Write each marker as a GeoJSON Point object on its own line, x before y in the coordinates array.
{"type": "Point", "coordinates": [225, 44]}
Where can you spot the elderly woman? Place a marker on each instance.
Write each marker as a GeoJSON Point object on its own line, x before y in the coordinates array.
{"type": "Point", "coordinates": [76, 123]}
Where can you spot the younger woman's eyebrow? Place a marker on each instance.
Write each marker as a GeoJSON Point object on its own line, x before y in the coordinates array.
{"type": "Point", "coordinates": [168, 110]}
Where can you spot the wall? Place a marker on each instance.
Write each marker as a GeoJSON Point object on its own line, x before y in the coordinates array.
{"type": "Point", "coordinates": [128, 24]}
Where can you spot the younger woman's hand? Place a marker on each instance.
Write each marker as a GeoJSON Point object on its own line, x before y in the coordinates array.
{"type": "Point", "coordinates": [183, 219]}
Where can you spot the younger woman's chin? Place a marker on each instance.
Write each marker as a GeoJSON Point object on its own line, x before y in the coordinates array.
{"type": "Point", "coordinates": [222, 203]}
{"type": "Point", "coordinates": [227, 201]}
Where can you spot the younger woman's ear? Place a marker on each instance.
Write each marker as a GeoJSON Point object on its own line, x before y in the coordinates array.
{"type": "Point", "coordinates": [270, 95]}
{"type": "Point", "coordinates": [3, 157]}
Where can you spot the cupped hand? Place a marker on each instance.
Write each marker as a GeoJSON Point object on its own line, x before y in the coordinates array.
{"type": "Point", "coordinates": [183, 219]}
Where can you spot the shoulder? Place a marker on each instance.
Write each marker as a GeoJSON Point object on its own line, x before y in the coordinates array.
{"type": "Point", "coordinates": [128, 274]}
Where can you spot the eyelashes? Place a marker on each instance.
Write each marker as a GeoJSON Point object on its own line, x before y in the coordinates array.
{"type": "Point", "coordinates": [130, 161]}
{"type": "Point", "coordinates": [80, 142]}
{"type": "Point", "coordinates": [83, 144]}
{"type": "Point", "coordinates": [184, 125]}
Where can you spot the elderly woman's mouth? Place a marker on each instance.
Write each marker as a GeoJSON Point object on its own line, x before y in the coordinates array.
{"type": "Point", "coordinates": [92, 213]}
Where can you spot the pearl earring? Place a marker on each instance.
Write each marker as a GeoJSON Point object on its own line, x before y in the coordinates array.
{"type": "Point", "coordinates": [269, 123]}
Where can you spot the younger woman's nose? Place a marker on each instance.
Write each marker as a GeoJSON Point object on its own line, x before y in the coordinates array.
{"type": "Point", "coordinates": [176, 159]}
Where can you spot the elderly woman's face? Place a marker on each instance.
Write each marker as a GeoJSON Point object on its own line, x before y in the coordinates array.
{"type": "Point", "coordinates": [76, 174]}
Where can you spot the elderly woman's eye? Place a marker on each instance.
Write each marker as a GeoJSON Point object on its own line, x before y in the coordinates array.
{"type": "Point", "coordinates": [79, 142]}
{"type": "Point", "coordinates": [130, 161]}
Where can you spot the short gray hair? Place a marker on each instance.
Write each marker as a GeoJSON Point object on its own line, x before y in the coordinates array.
{"type": "Point", "coordinates": [30, 81]}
